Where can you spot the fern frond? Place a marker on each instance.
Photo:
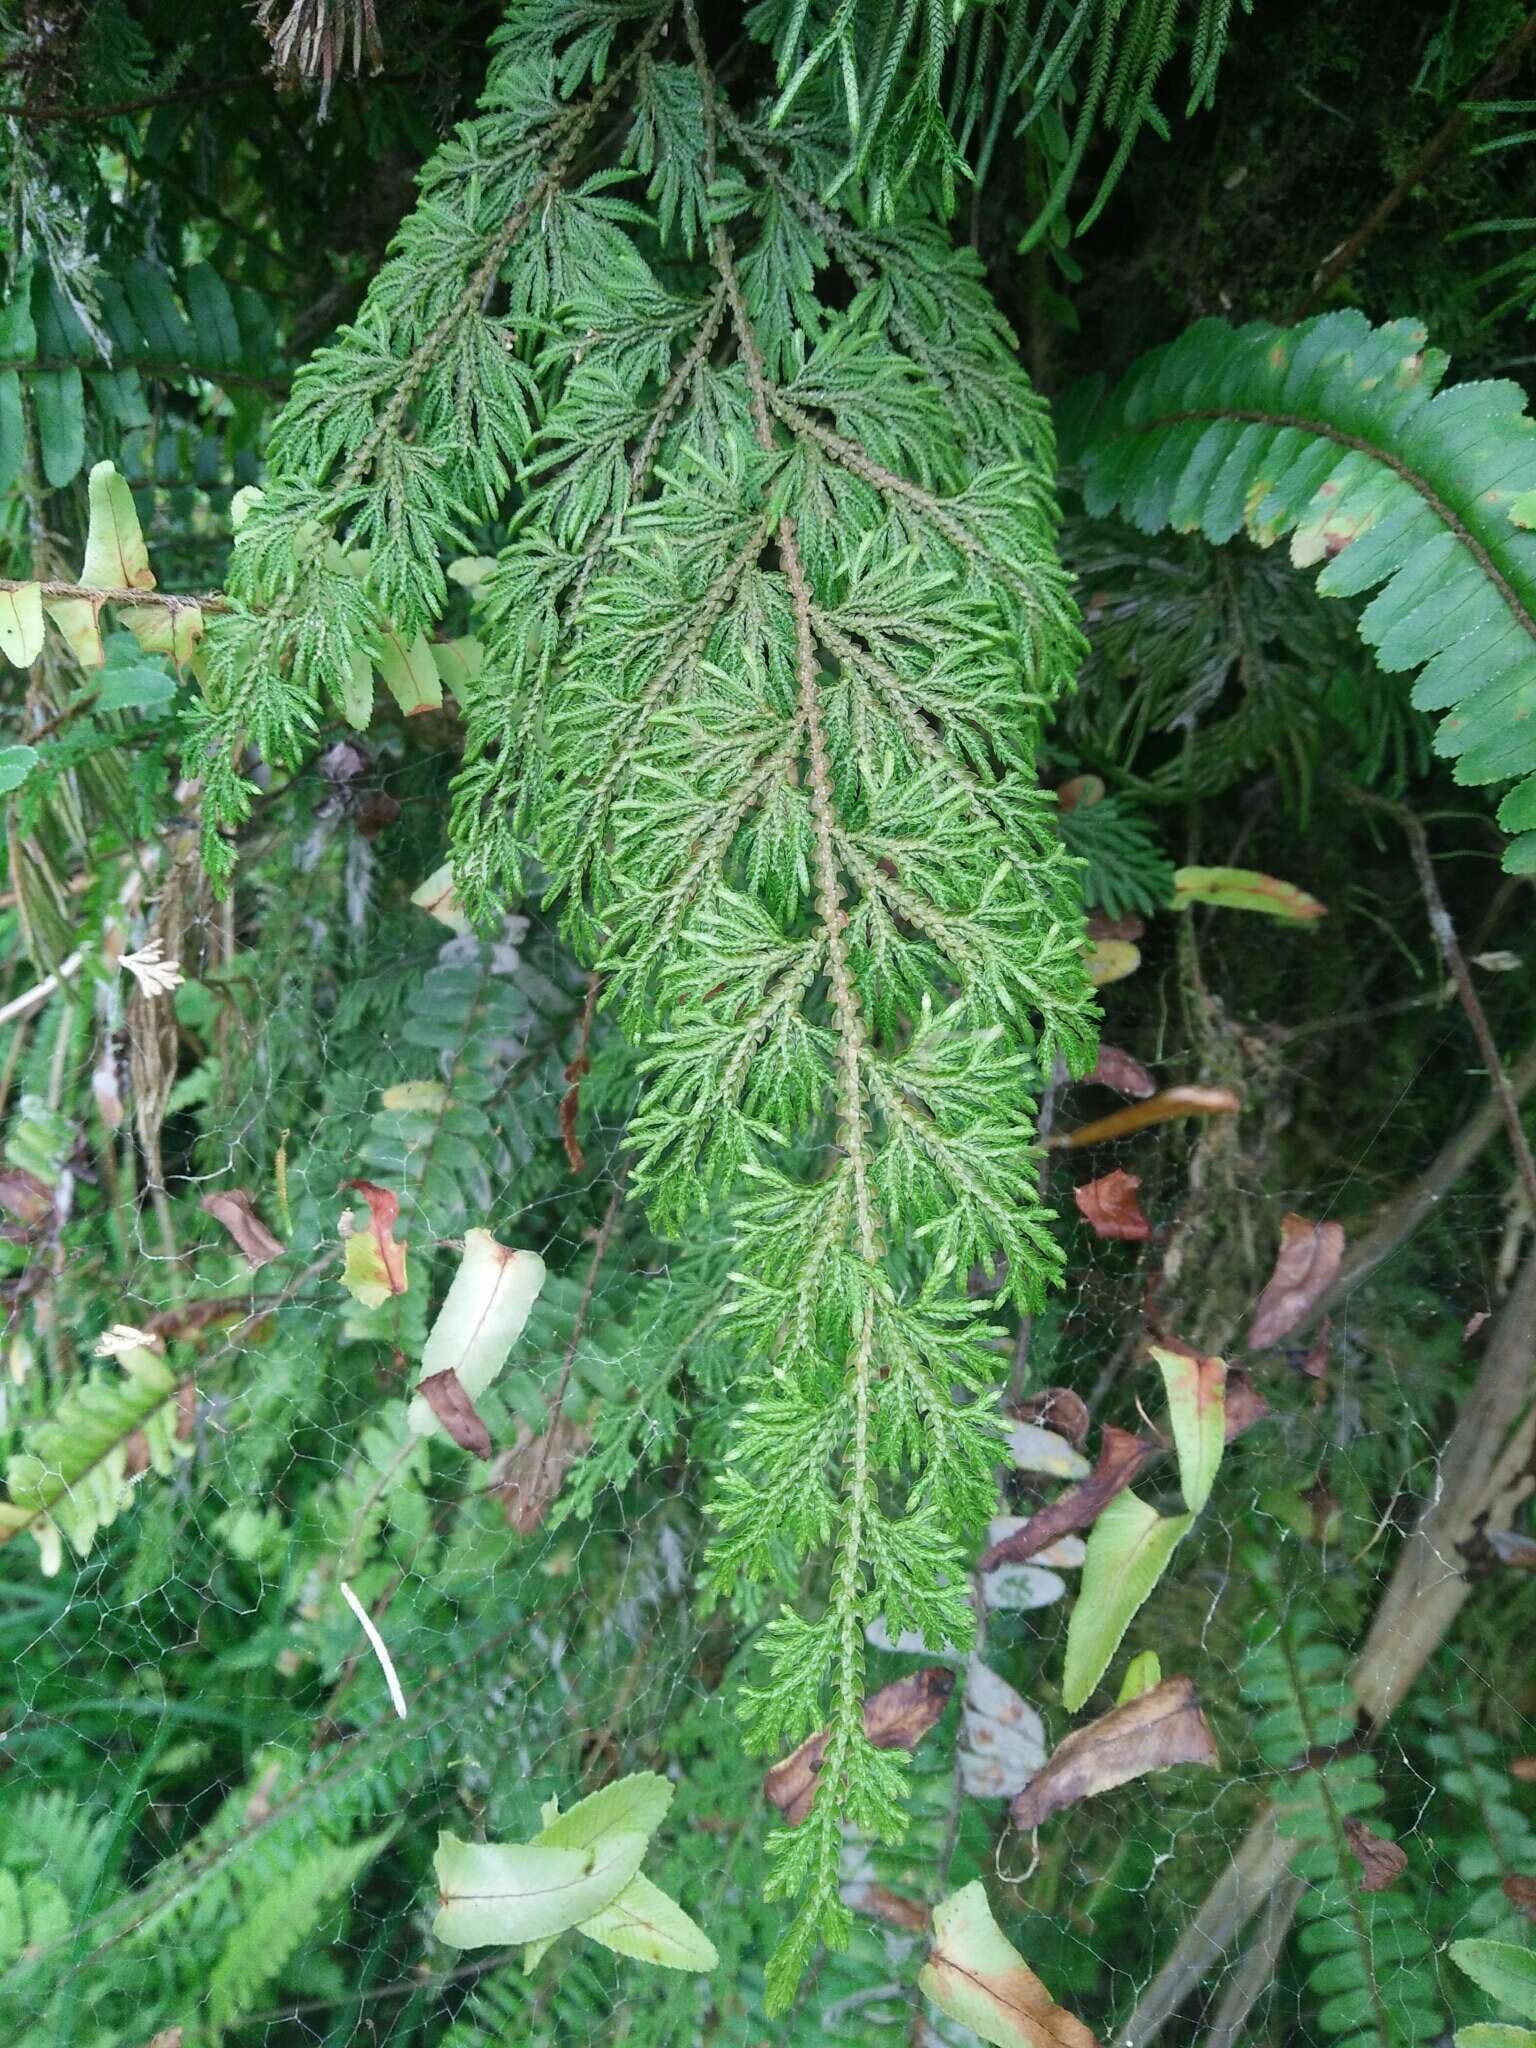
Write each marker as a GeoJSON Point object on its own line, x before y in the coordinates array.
{"type": "Point", "coordinates": [1368, 1959]}
{"type": "Point", "coordinates": [76, 1474]}
{"type": "Point", "coordinates": [1336, 433]}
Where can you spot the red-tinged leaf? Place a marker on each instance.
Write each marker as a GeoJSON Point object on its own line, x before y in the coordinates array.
{"type": "Point", "coordinates": [1161, 1108]}
{"type": "Point", "coordinates": [1116, 1069]}
{"type": "Point", "coordinates": [1381, 1862]}
{"type": "Point", "coordinates": [1521, 1894]}
{"type": "Point", "coordinates": [1319, 1357]}
{"type": "Point", "coordinates": [375, 1261]}
{"type": "Point", "coordinates": [1308, 1260]}
{"type": "Point", "coordinates": [1245, 1404]}
{"type": "Point", "coordinates": [1110, 1207]}
{"type": "Point", "coordinates": [233, 1208]}
{"type": "Point", "coordinates": [976, 1976]}
{"type": "Point", "coordinates": [528, 1480]}
{"type": "Point", "coordinates": [25, 1197]}
{"type": "Point", "coordinates": [1244, 889]}
{"type": "Point", "coordinates": [1197, 1402]}
{"type": "Point", "coordinates": [1125, 928]}
{"type": "Point", "coordinates": [1122, 1454]}
{"type": "Point", "coordinates": [894, 1908]}
{"type": "Point", "coordinates": [1158, 1728]}
{"type": "Point", "coordinates": [1080, 793]}
{"type": "Point", "coordinates": [898, 1716]}
{"type": "Point", "coordinates": [1058, 1409]}
{"type": "Point", "coordinates": [444, 1394]}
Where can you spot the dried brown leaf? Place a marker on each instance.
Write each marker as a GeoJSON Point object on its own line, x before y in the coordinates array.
{"type": "Point", "coordinates": [1121, 1456]}
{"type": "Point", "coordinates": [1523, 1770]}
{"type": "Point", "coordinates": [1245, 1404]}
{"type": "Point", "coordinates": [1058, 1409]}
{"type": "Point", "coordinates": [233, 1208]}
{"type": "Point", "coordinates": [1521, 1894]}
{"type": "Point", "coordinates": [444, 1394]}
{"type": "Point", "coordinates": [1381, 1862]}
{"type": "Point", "coordinates": [1161, 1727]}
{"type": "Point", "coordinates": [898, 1716]}
{"type": "Point", "coordinates": [25, 1197]}
{"type": "Point", "coordinates": [529, 1477]}
{"type": "Point", "coordinates": [1110, 1207]}
{"type": "Point", "coordinates": [1161, 1108]}
{"type": "Point", "coordinates": [1308, 1259]}
{"type": "Point", "coordinates": [880, 1903]}
{"type": "Point", "coordinates": [1116, 1069]}
{"type": "Point", "coordinates": [1126, 929]}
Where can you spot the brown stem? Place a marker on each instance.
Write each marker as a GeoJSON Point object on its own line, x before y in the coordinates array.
{"type": "Point", "coordinates": [556, 1407]}
{"type": "Point", "coordinates": [1450, 948]}
{"type": "Point", "coordinates": [1434, 153]}
{"type": "Point", "coordinates": [1483, 1474]}
{"type": "Point", "coordinates": [173, 600]}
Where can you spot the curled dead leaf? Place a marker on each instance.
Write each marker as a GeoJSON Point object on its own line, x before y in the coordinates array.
{"type": "Point", "coordinates": [898, 1716]}
{"type": "Point", "coordinates": [234, 1209]}
{"type": "Point", "coordinates": [1116, 1069]}
{"type": "Point", "coordinates": [1109, 1206]}
{"type": "Point", "coordinates": [528, 1478]}
{"type": "Point", "coordinates": [1158, 1728]}
{"type": "Point", "coordinates": [1161, 1108]}
{"type": "Point", "coordinates": [1381, 1862]}
{"type": "Point", "coordinates": [1305, 1267]}
{"type": "Point", "coordinates": [1121, 1456]}
{"type": "Point", "coordinates": [1060, 1410]}
{"type": "Point", "coordinates": [444, 1394]}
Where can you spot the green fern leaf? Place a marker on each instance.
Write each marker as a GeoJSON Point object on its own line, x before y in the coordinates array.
{"type": "Point", "coordinates": [1336, 433]}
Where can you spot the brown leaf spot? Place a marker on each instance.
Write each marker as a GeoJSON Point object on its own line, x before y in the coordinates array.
{"type": "Point", "coordinates": [1126, 929]}
{"type": "Point", "coordinates": [1161, 1727]}
{"type": "Point", "coordinates": [1381, 1862]}
{"type": "Point", "coordinates": [1308, 1259]}
{"type": "Point", "coordinates": [1121, 1456]}
{"type": "Point", "coordinates": [233, 1208]}
{"type": "Point", "coordinates": [444, 1394]}
{"type": "Point", "coordinates": [1109, 1206]}
{"type": "Point", "coordinates": [898, 1716]}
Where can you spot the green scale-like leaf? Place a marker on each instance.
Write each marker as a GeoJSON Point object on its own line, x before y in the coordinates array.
{"type": "Point", "coordinates": [1338, 434]}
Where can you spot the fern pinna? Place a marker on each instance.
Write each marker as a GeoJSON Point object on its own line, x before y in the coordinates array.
{"type": "Point", "coordinates": [1337, 433]}
{"type": "Point", "coordinates": [766, 649]}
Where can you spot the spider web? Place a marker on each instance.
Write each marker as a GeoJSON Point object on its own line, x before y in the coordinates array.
{"type": "Point", "coordinates": [199, 1738]}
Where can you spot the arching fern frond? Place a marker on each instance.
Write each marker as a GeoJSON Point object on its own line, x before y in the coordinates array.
{"type": "Point", "coordinates": [1337, 434]}
{"type": "Point", "coordinates": [1368, 1961]}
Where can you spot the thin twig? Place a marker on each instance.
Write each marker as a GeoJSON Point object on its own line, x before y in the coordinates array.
{"type": "Point", "coordinates": [1441, 925]}
{"type": "Point", "coordinates": [557, 1405]}
{"type": "Point", "coordinates": [1434, 152]}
